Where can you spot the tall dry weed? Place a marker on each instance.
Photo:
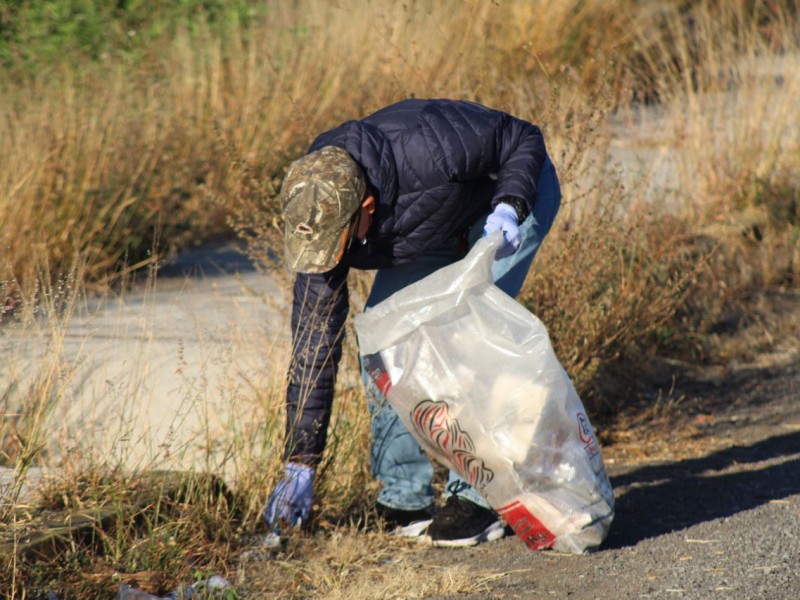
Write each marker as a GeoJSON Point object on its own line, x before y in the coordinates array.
{"type": "Point", "coordinates": [25, 417]}
{"type": "Point", "coordinates": [728, 76]}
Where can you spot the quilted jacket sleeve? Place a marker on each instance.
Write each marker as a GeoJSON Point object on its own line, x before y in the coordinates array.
{"type": "Point", "coordinates": [521, 158]}
{"type": "Point", "coordinates": [319, 311]}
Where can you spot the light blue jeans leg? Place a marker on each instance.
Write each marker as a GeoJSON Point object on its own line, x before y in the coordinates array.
{"type": "Point", "coordinates": [397, 459]}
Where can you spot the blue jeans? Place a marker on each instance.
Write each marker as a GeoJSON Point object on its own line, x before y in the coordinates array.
{"type": "Point", "coordinates": [397, 460]}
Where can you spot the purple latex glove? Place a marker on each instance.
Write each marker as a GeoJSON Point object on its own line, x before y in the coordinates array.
{"type": "Point", "coordinates": [504, 218]}
{"type": "Point", "coordinates": [291, 500]}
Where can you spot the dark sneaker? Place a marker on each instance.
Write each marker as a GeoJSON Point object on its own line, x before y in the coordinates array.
{"type": "Point", "coordinates": [463, 523]}
{"type": "Point", "coordinates": [405, 523]}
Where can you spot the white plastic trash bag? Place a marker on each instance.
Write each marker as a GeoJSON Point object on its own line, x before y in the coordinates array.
{"type": "Point", "coordinates": [474, 378]}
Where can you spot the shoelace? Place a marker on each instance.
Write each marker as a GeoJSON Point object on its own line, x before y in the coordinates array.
{"type": "Point", "coordinates": [453, 502]}
{"type": "Point", "coordinates": [456, 487]}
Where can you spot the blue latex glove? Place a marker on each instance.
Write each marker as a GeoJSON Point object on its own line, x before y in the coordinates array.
{"type": "Point", "coordinates": [504, 218]}
{"type": "Point", "coordinates": [291, 500]}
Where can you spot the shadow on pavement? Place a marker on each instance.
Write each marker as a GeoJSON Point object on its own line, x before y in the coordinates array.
{"type": "Point", "coordinates": [660, 499]}
{"type": "Point", "coordinates": [209, 261]}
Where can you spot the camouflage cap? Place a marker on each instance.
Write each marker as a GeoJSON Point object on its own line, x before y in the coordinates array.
{"type": "Point", "coordinates": [320, 194]}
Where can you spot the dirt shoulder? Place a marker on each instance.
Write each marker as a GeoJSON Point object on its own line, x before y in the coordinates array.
{"type": "Point", "coordinates": [708, 495]}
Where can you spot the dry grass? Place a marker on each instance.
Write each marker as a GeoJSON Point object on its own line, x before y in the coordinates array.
{"type": "Point", "coordinates": [100, 160]}
{"type": "Point", "coordinates": [350, 563]}
{"type": "Point", "coordinates": [104, 163]}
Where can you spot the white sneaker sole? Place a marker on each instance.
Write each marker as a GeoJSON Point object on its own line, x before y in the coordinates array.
{"type": "Point", "coordinates": [412, 530]}
{"type": "Point", "coordinates": [495, 531]}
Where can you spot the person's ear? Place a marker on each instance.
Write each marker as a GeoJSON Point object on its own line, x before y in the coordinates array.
{"type": "Point", "coordinates": [369, 204]}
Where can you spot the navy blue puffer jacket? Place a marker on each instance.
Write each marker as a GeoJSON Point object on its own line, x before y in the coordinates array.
{"type": "Point", "coordinates": [436, 166]}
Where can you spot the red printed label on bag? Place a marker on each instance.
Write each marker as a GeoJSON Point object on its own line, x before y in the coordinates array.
{"type": "Point", "coordinates": [527, 527]}
{"type": "Point", "coordinates": [382, 381]}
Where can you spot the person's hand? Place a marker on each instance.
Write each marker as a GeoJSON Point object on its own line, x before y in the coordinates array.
{"type": "Point", "coordinates": [504, 218]}
{"type": "Point", "coordinates": [291, 500]}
